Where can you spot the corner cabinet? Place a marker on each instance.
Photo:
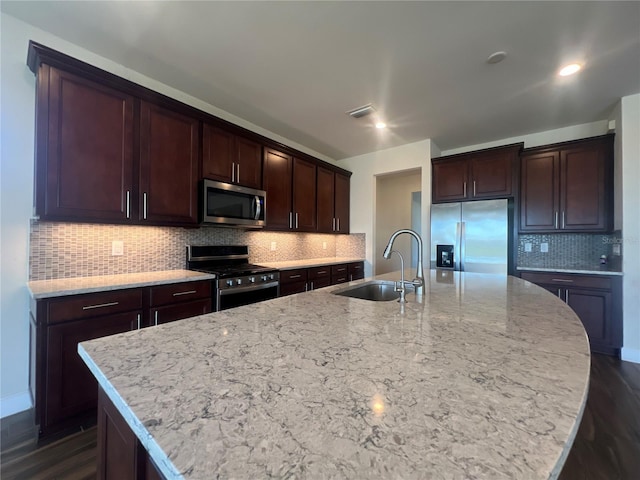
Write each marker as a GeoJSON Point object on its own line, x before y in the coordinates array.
{"type": "Point", "coordinates": [568, 187]}
{"type": "Point", "coordinates": [479, 175]}
{"type": "Point", "coordinates": [333, 201]}
{"type": "Point", "coordinates": [596, 299]}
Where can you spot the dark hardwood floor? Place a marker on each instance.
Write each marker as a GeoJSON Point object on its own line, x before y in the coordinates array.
{"type": "Point", "coordinates": [607, 446]}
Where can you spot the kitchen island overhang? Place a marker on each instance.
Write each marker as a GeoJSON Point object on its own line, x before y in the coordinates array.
{"type": "Point", "coordinates": [485, 377]}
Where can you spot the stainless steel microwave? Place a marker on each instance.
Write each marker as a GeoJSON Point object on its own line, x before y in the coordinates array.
{"type": "Point", "coordinates": [230, 205]}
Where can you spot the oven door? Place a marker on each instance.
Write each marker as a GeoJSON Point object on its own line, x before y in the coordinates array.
{"type": "Point", "coordinates": [228, 204]}
{"type": "Point", "coordinates": [237, 296]}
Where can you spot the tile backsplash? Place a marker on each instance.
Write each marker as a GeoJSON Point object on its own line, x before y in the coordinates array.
{"type": "Point", "coordinates": [567, 250]}
{"type": "Point", "coordinates": [64, 250]}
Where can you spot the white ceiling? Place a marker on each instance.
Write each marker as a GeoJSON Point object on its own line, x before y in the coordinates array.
{"type": "Point", "coordinates": [295, 68]}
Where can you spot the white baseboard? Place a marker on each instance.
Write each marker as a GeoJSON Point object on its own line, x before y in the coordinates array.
{"type": "Point", "coordinates": [18, 402]}
{"type": "Point", "coordinates": [630, 355]}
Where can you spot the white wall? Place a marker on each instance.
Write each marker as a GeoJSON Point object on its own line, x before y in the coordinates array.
{"type": "Point", "coordinates": [17, 103]}
{"type": "Point", "coordinates": [630, 132]}
{"type": "Point", "coordinates": [363, 190]}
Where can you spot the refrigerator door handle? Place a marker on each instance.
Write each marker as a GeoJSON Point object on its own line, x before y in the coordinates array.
{"type": "Point", "coordinates": [462, 245]}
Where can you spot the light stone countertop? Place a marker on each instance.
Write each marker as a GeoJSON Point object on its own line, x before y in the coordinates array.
{"type": "Point", "coordinates": [584, 270]}
{"type": "Point", "coordinates": [78, 285]}
{"type": "Point", "coordinates": [310, 262]}
{"type": "Point", "coordinates": [483, 377]}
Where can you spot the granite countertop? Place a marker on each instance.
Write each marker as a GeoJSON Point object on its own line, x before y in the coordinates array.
{"type": "Point", "coordinates": [78, 285]}
{"type": "Point", "coordinates": [485, 376]}
{"type": "Point", "coordinates": [588, 269]}
{"type": "Point", "coordinates": [310, 262]}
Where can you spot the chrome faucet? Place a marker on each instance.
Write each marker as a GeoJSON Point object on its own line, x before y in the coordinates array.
{"type": "Point", "coordinates": [417, 282]}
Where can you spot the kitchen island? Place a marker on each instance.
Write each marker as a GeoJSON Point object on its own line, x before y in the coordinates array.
{"type": "Point", "coordinates": [485, 376]}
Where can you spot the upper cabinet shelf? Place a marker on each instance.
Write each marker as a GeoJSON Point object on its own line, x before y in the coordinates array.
{"type": "Point", "coordinates": [568, 187]}
{"type": "Point", "coordinates": [479, 175]}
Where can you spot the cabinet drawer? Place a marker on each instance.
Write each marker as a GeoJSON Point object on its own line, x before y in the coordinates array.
{"type": "Point", "coordinates": [356, 271]}
{"type": "Point", "coordinates": [179, 292]}
{"type": "Point", "coordinates": [290, 276]}
{"type": "Point", "coordinates": [93, 305]}
{"type": "Point", "coordinates": [339, 270]}
{"type": "Point", "coordinates": [319, 272]}
{"type": "Point", "coordinates": [568, 280]}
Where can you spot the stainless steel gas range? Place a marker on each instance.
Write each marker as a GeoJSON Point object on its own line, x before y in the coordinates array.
{"type": "Point", "coordinates": [237, 282]}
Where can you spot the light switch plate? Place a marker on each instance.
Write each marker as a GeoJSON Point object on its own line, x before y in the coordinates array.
{"type": "Point", "coordinates": [273, 246]}
{"type": "Point", "coordinates": [527, 247]}
{"type": "Point", "coordinates": [117, 248]}
{"type": "Point", "coordinates": [616, 249]}
{"type": "Point", "coordinates": [324, 245]}
{"type": "Point", "coordinates": [544, 247]}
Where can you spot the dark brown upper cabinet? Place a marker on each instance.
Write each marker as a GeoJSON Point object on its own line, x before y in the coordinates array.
{"type": "Point", "coordinates": [568, 187]}
{"type": "Point", "coordinates": [333, 201]}
{"type": "Point", "coordinates": [168, 166]}
{"type": "Point", "coordinates": [480, 175]}
{"type": "Point", "coordinates": [290, 184]}
{"type": "Point", "coordinates": [227, 157]}
{"type": "Point", "coordinates": [84, 149]}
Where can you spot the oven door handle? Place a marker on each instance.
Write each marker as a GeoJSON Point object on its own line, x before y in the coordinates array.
{"type": "Point", "coordinates": [262, 286]}
{"type": "Point", "coordinates": [258, 207]}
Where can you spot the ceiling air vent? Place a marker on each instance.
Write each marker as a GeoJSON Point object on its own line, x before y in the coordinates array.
{"type": "Point", "coordinates": [362, 111]}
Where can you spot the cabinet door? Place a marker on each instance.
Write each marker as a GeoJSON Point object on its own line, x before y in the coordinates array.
{"type": "Point", "coordinates": [304, 195]}
{"type": "Point", "coordinates": [491, 175]}
{"type": "Point", "coordinates": [218, 153]}
{"type": "Point", "coordinates": [249, 170]}
{"type": "Point", "coordinates": [593, 307]}
{"type": "Point", "coordinates": [70, 388]}
{"type": "Point", "coordinates": [277, 184]}
{"type": "Point", "coordinates": [178, 311]}
{"type": "Point", "coordinates": [342, 189]}
{"type": "Point", "coordinates": [325, 200]}
{"type": "Point", "coordinates": [86, 170]}
{"type": "Point", "coordinates": [450, 180]}
{"type": "Point", "coordinates": [539, 188]}
{"type": "Point", "coordinates": [583, 200]}
{"type": "Point", "coordinates": [117, 449]}
{"type": "Point", "coordinates": [168, 166]}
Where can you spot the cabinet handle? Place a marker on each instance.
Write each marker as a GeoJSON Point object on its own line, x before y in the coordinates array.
{"type": "Point", "coordinates": [351, 277]}
{"type": "Point", "coordinates": [290, 219]}
{"type": "Point", "coordinates": [128, 204]}
{"type": "Point", "coordinates": [559, 293]}
{"type": "Point", "coordinates": [563, 219]}
{"type": "Point", "coordinates": [333, 228]}
{"type": "Point", "coordinates": [464, 189]}
{"type": "Point", "coordinates": [338, 224]}
{"type": "Point", "coordinates": [566, 296]}
{"type": "Point", "coordinates": [311, 285]}
{"type": "Point", "coordinates": [144, 206]}
{"type": "Point", "coordinates": [296, 220]}
{"type": "Point", "coordinates": [100, 305]}
{"type": "Point", "coordinates": [295, 276]}
{"type": "Point", "coordinates": [321, 272]}
{"type": "Point", "coordinates": [177, 294]}
{"type": "Point", "coordinates": [306, 287]}
{"type": "Point", "coordinates": [555, 222]}
{"type": "Point", "coordinates": [138, 321]}
{"type": "Point", "coordinates": [233, 172]}
{"type": "Point", "coordinates": [155, 318]}
{"type": "Point", "coordinates": [474, 188]}
{"type": "Point", "coordinates": [238, 174]}
{"type": "Point", "coordinates": [561, 280]}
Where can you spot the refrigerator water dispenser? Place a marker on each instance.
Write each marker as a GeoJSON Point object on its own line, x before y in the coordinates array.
{"type": "Point", "coordinates": [444, 256]}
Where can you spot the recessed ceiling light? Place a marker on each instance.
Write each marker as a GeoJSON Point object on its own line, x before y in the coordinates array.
{"type": "Point", "coordinates": [381, 125]}
{"type": "Point", "coordinates": [569, 69]}
{"type": "Point", "coordinates": [496, 57]}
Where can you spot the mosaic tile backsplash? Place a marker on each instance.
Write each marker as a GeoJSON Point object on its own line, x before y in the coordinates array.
{"type": "Point", "coordinates": [64, 250]}
{"type": "Point", "coordinates": [569, 250]}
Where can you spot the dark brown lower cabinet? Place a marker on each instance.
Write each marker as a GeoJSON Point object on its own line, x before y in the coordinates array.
{"type": "Point", "coordinates": [121, 456]}
{"type": "Point", "coordinates": [596, 299]}
{"type": "Point", "coordinates": [307, 279]}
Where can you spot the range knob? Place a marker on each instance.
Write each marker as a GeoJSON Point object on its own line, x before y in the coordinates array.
{"type": "Point", "coordinates": [252, 279]}
{"type": "Point", "coordinates": [230, 283]}
{"type": "Point", "coordinates": [239, 281]}
{"type": "Point", "coordinates": [271, 276]}
{"type": "Point", "coordinates": [264, 278]}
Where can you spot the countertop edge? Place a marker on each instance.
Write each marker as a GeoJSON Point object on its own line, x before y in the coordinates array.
{"type": "Point", "coordinates": [569, 270]}
{"type": "Point", "coordinates": [311, 262]}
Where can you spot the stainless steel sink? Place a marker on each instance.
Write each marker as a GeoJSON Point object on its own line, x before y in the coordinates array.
{"type": "Point", "coordinates": [376, 290]}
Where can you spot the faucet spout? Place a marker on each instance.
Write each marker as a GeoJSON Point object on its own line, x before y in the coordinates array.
{"type": "Point", "coordinates": [419, 280]}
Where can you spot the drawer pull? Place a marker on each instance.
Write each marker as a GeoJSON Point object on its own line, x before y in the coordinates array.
{"type": "Point", "coordinates": [189, 292]}
{"type": "Point", "coordinates": [101, 305]}
{"type": "Point", "coordinates": [561, 280]}
{"type": "Point", "coordinates": [295, 276]}
{"type": "Point", "coordinates": [321, 272]}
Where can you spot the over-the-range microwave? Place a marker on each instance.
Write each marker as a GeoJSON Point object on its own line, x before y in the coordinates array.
{"type": "Point", "coordinates": [227, 204]}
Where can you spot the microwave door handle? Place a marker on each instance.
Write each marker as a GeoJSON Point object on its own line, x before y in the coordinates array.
{"type": "Point", "coordinates": [258, 205]}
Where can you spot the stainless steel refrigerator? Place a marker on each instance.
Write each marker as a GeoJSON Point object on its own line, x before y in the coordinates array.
{"type": "Point", "coordinates": [470, 236]}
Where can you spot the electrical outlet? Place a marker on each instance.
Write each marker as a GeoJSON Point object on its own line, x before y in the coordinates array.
{"type": "Point", "coordinates": [616, 249]}
{"type": "Point", "coordinates": [527, 247]}
{"type": "Point", "coordinates": [324, 245]}
{"type": "Point", "coordinates": [273, 246]}
{"type": "Point", "coordinates": [544, 247]}
{"type": "Point", "coordinates": [117, 248]}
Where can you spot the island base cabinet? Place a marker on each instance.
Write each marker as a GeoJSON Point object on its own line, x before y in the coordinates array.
{"type": "Point", "coordinates": [120, 455]}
